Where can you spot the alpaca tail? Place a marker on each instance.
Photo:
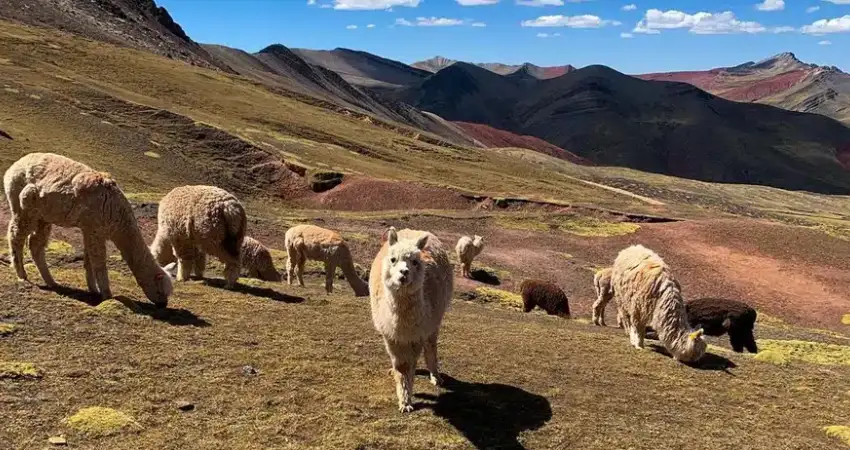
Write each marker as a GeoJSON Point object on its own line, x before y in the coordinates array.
{"type": "Point", "coordinates": [236, 224]}
{"type": "Point", "coordinates": [361, 289]}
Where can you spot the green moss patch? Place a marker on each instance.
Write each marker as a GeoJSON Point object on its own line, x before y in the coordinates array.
{"type": "Point", "coordinates": [782, 352]}
{"type": "Point", "coordinates": [7, 329]}
{"type": "Point", "coordinates": [56, 247]}
{"type": "Point", "coordinates": [839, 432]}
{"type": "Point", "coordinates": [116, 307]}
{"type": "Point", "coordinates": [100, 421]}
{"type": "Point", "coordinates": [490, 295]}
{"type": "Point", "coordinates": [845, 319]}
{"type": "Point", "coordinates": [18, 370]}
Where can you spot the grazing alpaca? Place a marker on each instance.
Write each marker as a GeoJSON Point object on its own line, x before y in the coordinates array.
{"type": "Point", "coordinates": [547, 296]}
{"type": "Point", "coordinates": [411, 286]}
{"type": "Point", "coordinates": [719, 316]}
{"type": "Point", "coordinates": [305, 242]}
{"type": "Point", "coordinates": [258, 261]}
{"type": "Point", "coordinates": [194, 221]}
{"type": "Point", "coordinates": [467, 249]}
{"type": "Point", "coordinates": [604, 294]}
{"type": "Point", "coordinates": [44, 189]}
{"type": "Point", "coordinates": [648, 295]}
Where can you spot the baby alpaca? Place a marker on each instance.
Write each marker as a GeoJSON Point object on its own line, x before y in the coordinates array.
{"type": "Point", "coordinates": [604, 294]}
{"type": "Point", "coordinates": [411, 285]}
{"type": "Point", "coordinates": [648, 295]}
{"type": "Point", "coordinates": [547, 296]}
{"type": "Point", "coordinates": [194, 221]}
{"type": "Point", "coordinates": [467, 249]}
{"type": "Point", "coordinates": [45, 189]}
{"type": "Point", "coordinates": [305, 242]}
{"type": "Point", "coordinates": [257, 260]}
{"type": "Point", "coordinates": [719, 316]}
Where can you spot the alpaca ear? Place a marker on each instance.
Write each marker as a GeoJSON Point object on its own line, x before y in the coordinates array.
{"type": "Point", "coordinates": [392, 236]}
{"type": "Point", "coordinates": [170, 269]}
{"type": "Point", "coordinates": [727, 324]}
{"type": "Point", "coordinates": [421, 242]}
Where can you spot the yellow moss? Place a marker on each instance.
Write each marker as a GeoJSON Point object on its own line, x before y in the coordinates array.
{"type": "Point", "coordinates": [845, 319]}
{"type": "Point", "coordinates": [18, 370]}
{"type": "Point", "coordinates": [115, 307]}
{"type": "Point", "coordinates": [593, 227]}
{"type": "Point", "coordinates": [781, 352]}
{"type": "Point", "coordinates": [57, 247]}
{"type": "Point", "coordinates": [582, 321]}
{"type": "Point", "coordinates": [839, 432]}
{"type": "Point", "coordinates": [505, 298]}
{"type": "Point", "coordinates": [100, 421]}
{"type": "Point", "coordinates": [7, 329]}
{"type": "Point", "coordinates": [153, 155]}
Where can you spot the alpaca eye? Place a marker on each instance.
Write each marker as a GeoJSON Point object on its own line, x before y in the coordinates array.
{"type": "Point", "coordinates": [415, 263]}
{"type": "Point", "coordinates": [393, 260]}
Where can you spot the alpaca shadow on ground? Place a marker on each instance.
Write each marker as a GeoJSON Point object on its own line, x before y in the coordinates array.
{"type": "Point", "coordinates": [74, 293]}
{"type": "Point", "coordinates": [709, 361]}
{"type": "Point", "coordinates": [172, 316]}
{"type": "Point", "coordinates": [489, 415]}
{"type": "Point", "coordinates": [268, 293]}
{"type": "Point", "coordinates": [486, 277]}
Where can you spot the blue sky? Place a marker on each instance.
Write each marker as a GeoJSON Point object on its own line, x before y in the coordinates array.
{"type": "Point", "coordinates": [632, 36]}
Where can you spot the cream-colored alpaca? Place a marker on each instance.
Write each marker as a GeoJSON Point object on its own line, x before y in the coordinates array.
{"type": "Point", "coordinates": [647, 294]}
{"type": "Point", "coordinates": [305, 242]}
{"type": "Point", "coordinates": [604, 294]}
{"type": "Point", "coordinates": [44, 189]}
{"type": "Point", "coordinates": [467, 249]}
{"type": "Point", "coordinates": [411, 285]}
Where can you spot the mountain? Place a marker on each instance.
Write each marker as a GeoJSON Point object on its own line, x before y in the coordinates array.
{"type": "Point", "coordinates": [663, 127]}
{"type": "Point", "coordinates": [438, 63]}
{"type": "Point", "coordinates": [782, 80]}
{"type": "Point", "coordinates": [139, 24]}
{"type": "Point", "coordinates": [362, 68]}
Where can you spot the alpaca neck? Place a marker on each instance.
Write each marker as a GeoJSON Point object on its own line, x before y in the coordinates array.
{"type": "Point", "coordinates": [405, 298]}
{"type": "Point", "coordinates": [128, 239]}
{"type": "Point", "coordinates": [671, 322]}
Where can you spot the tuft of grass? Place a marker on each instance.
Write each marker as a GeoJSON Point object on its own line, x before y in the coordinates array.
{"type": "Point", "coordinates": [593, 227]}
{"type": "Point", "coordinates": [116, 307]}
{"type": "Point", "coordinates": [19, 370]}
{"type": "Point", "coordinates": [154, 155]}
{"type": "Point", "coordinates": [845, 319]}
{"type": "Point", "coordinates": [100, 421]}
{"type": "Point", "coordinates": [7, 329]}
{"type": "Point", "coordinates": [486, 294]}
{"type": "Point", "coordinates": [839, 432]}
{"type": "Point", "coordinates": [782, 352]}
{"type": "Point", "coordinates": [57, 247]}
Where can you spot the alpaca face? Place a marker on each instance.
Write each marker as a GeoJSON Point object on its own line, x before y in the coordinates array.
{"type": "Point", "coordinates": [696, 346]}
{"type": "Point", "coordinates": [159, 291]}
{"type": "Point", "coordinates": [403, 267]}
{"type": "Point", "coordinates": [478, 241]}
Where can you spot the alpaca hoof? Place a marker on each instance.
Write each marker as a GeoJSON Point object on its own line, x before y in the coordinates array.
{"type": "Point", "coordinates": [436, 380]}
{"type": "Point", "coordinates": [405, 408]}
{"type": "Point", "coordinates": [22, 280]}
{"type": "Point", "coordinates": [51, 284]}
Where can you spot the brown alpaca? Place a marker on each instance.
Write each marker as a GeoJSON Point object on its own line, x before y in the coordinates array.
{"type": "Point", "coordinates": [548, 296]}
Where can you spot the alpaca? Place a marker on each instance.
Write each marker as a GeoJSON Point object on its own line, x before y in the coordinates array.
{"type": "Point", "coordinates": [194, 221]}
{"type": "Point", "coordinates": [305, 242]}
{"type": "Point", "coordinates": [547, 296]}
{"type": "Point", "coordinates": [604, 294]}
{"type": "Point", "coordinates": [467, 249]}
{"type": "Point", "coordinates": [719, 316]}
{"type": "Point", "coordinates": [647, 294]}
{"type": "Point", "coordinates": [45, 189]}
{"type": "Point", "coordinates": [258, 261]}
{"type": "Point", "coordinates": [411, 286]}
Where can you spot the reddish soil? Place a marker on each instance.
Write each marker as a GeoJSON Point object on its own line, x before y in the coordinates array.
{"type": "Point", "coordinates": [764, 88]}
{"type": "Point", "coordinates": [365, 194]}
{"type": "Point", "coordinates": [703, 79]}
{"type": "Point", "coordinates": [492, 137]}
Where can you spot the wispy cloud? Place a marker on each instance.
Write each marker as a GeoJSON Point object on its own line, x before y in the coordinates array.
{"type": "Point", "coordinates": [479, 24]}
{"type": "Point", "coordinates": [476, 2]}
{"type": "Point", "coordinates": [626, 35]}
{"type": "Point", "coordinates": [779, 30]}
{"type": "Point", "coordinates": [700, 23]}
{"type": "Point", "coordinates": [812, 9]}
{"type": "Point", "coordinates": [371, 25]}
{"type": "Point", "coordinates": [827, 26]}
{"type": "Point", "coordinates": [771, 5]}
{"type": "Point", "coordinates": [373, 4]}
{"type": "Point", "coordinates": [630, 7]}
{"type": "Point", "coordinates": [584, 21]}
{"type": "Point", "coordinates": [548, 35]}
{"type": "Point", "coordinates": [351, 27]}
{"type": "Point", "coordinates": [839, 2]}
{"type": "Point", "coordinates": [430, 22]}
{"type": "Point", "coordinates": [825, 43]}
{"type": "Point", "coordinates": [539, 3]}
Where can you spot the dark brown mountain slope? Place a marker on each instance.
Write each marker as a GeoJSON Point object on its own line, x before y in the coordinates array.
{"type": "Point", "coordinates": [136, 23]}
{"type": "Point", "coordinates": [362, 68]}
{"type": "Point", "coordinates": [438, 63]}
{"type": "Point", "coordinates": [671, 128]}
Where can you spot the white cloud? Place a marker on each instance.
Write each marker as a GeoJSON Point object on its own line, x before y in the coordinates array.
{"type": "Point", "coordinates": [373, 4]}
{"type": "Point", "coordinates": [630, 7]}
{"type": "Point", "coordinates": [371, 25]}
{"type": "Point", "coordinates": [311, 2]}
{"type": "Point", "coordinates": [476, 2]}
{"type": "Point", "coordinates": [351, 27]}
{"type": "Point", "coordinates": [626, 35]}
{"type": "Point", "coordinates": [812, 9]}
{"type": "Point", "coordinates": [540, 2]}
{"type": "Point", "coordinates": [771, 5]}
{"type": "Point", "coordinates": [584, 21]}
{"type": "Point", "coordinates": [548, 35]}
{"type": "Point", "coordinates": [429, 22]}
{"type": "Point", "coordinates": [824, 26]}
{"type": "Point", "coordinates": [700, 23]}
{"type": "Point", "coordinates": [778, 30]}
{"type": "Point", "coordinates": [839, 2]}
{"type": "Point", "coordinates": [825, 43]}
{"type": "Point", "coordinates": [479, 24]}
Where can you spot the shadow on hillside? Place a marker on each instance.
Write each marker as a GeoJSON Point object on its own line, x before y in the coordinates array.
{"type": "Point", "coordinates": [173, 316]}
{"type": "Point", "coordinates": [486, 277]}
{"type": "Point", "coordinates": [74, 293]}
{"type": "Point", "coordinates": [268, 293]}
{"type": "Point", "coordinates": [709, 361]}
{"type": "Point", "coordinates": [489, 415]}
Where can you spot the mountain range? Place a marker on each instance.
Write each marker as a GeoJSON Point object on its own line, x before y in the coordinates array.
{"type": "Point", "coordinates": [749, 123]}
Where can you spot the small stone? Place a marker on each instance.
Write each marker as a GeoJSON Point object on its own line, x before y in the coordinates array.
{"type": "Point", "coordinates": [185, 406]}
{"type": "Point", "coordinates": [249, 370]}
{"type": "Point", "coordinates": [57, 440]}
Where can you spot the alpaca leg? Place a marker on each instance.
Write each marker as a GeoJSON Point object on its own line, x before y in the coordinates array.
{"type": "Point", "coordinates": [599, 311]}
{"type": "Point", "coordinates": [185, 259]}
{"type": "Point", "coordinates": [97, 256]}
{"type": "Point", "coordinates": [200, 264]}
{"type": "Point", "coordinates": [403, 358]}
{"type": "Point", "coordinates": [38, 243]}
{"type": "Point", "coordinates": [91, 283]}
{"type": "Point", "coordinates": [636, 334]}
{"type": "Point", "coordinates": [431, 360]}
{"type": "Point", "coordinates": [302, 261]}
{"type": "Point", "coordinates": [330, 273]}
{"type": "Point", "coordinates": [17, 236]}
{"type": "Point", "coordinates": [231, 274]}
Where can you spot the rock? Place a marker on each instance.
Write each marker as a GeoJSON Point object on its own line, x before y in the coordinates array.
{"type": "Point", "coordinates": [249, 370]}
{"type": "Point", "coordinates": [185, 406]}
{"type": "Point", "coordinates": [57, 440]}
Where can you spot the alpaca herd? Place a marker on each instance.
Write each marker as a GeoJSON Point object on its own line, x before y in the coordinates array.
{"type": "Point", "coordinates": [410, 284]}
